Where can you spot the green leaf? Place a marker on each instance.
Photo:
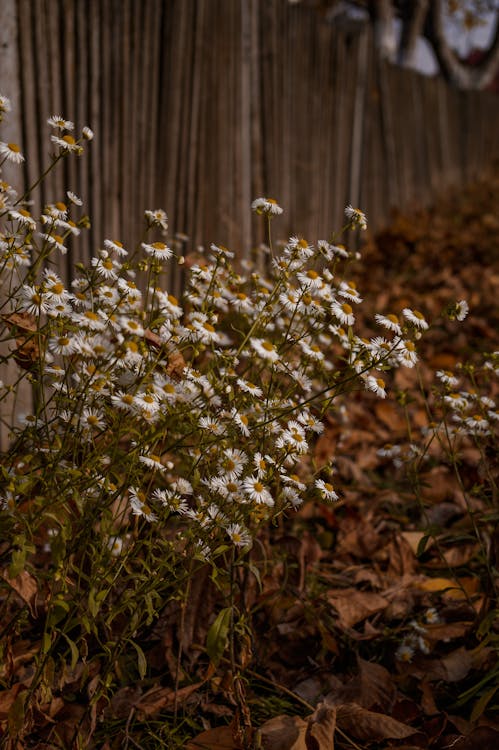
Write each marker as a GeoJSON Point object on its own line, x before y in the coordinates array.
{"type": "Point", "coordinates": [216, 640]}
{"type": "Point", "coordinates": [141, 660]}
{"type": "Point", "coordinates": [18, 562]}
{"type": "Point", "coordinates": [74, 650]}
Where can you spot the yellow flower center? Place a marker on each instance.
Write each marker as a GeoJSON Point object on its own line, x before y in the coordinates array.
{"type": "Point", "coordinates": [69, 140]}
{"type": "Point", "coordinates": [392, 318]}
{"type": "Point", "coordinates": [347, 309]}
{"type": "Point", "coordinates": [13, 147]}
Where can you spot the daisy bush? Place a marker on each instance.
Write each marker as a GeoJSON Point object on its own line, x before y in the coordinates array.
{"type": "Point", "coordinates": [165, 433]}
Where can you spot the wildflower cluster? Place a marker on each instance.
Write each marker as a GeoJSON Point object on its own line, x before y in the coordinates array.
{"type": "Point", "coordinates": [463, 412]}
{"type": "Point", "coordinates": [198, 410]}
{"type": "Point", "coordinates": [416, 639]}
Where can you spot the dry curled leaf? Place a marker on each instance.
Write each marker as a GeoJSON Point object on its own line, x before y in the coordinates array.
{"type": "Point", "coordinates": [369, 725]}
{"type": "Point", "coordinates": [321, 728]}
{"type": "Point", "coordinates": [283, 733]}
{"type": "Point", "coordinates": [353, 606]}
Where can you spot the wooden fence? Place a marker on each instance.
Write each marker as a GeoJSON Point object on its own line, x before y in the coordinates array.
{"type": "Point", "coordinates": [198, 106]}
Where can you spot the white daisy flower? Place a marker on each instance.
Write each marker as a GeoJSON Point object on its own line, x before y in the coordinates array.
{"type": "Point", "coordinates": [152, 461]}
{"type": "Point", "coordinates": [91, 420]}
{"type": "Point", "coordinates": [73, 198]}
{"type": "Point", "coordinates": [462, 309]}
{"type": "Point", "coordinates": [356, 217]}
{"type": "Point", "coordinates": [116, 246]}
{"type": "Point", "coordinates": [11, 152]}
{"type": "Point", "coordinates": [33, 300]}
{"type": "Point", "coordinates": [415, 317]}
{"type": "Point", "coordinates": [87, 133]}
{"type": "Point", "coordinates": [447, 377]}
{"type": "Point", "coordinates": [377, 385]}
{"type": "Point", "coordinates": [5, 105]}
{"type": "Point", "coordinates": [266, 206]}
{"type": "Point", "coordinates": [157, 218]}
{"type": "Point", "coordinates": [56, 121]}
{"type": "Point", "coordinates": [67, 144]}
{"type": "Point", "coordinates": [348, 290]}
{"type": "Point", "coordinates": [265, 349]}
{"type": "Point", "coordinates": [248, 387]}
{"type": "Point", "coordinates": [139, 505]}
{"type": "Point", "coordinates": [158, 250]}
{"type": "Point", "coordinates": [343, 312]}
{"type": "Point", "coordinates": [63, 345]}
{"type": "Point", "coordinates": [404, 653]}
{"type": "Point", "coordinates": [115, 545]}
{"type": "Point", "coordinates": [257, 492]}
{"type": "Point", "coordinates": [389, 321]}
{"type": "Point", "coordinates": [326, 490]}
{"type": "Point", "coordinates": [239, 536]}
{"type": "Point", "coordinates": [23, 217]}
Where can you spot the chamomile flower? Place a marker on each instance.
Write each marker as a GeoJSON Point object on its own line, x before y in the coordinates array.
{"type": "Point", "coordinates": [91, 420]}
{"type": "Point", "coordinates": [310, 279]}
{"type": "Point", "coordinates": [404, 653]}
{"type": "Point", "coordinates": [461, 310]}
{"type": "Point", "coordinates": [326, 490]}
{"type": "Point", "coordinates": [257, 492]}
{"type": "Point", "coordinates": [477, 424]}
{"type": "Point", "coordinates": [130, 326]}
{"type": "Point", "coordinates": [248, 387]}
{"type": "Point", "coordinates": [124, 401]}
{"type": "Point", "coordinates": [90, 320]}
{"type": "Point", "coordinates": [5, 105]}
{"type": "Point", "coordinates": [232, 463]}
{"type": "Point", "coordinates": [407, 353]}
{"type": "Point", "coordinates": [87, 133]}
{"type": "Point", "coordinates": [238, 535]}
{"type": "Point", "coordinates": [115, 545]}
{"type": "Point", "coordinates": [265, 349]}
{"type": "Point", "coordinates": [416, 318]}
{"type": "Point", "coordinates": [63, 345]}
{"type": "Point", "coordinates": [356, 217]}
{"type": "Point", "coordinates": [11, 152]}
{"type": "Point", "coordinates": [376, 385]}
{"type": "Point", "coordinates": [116, 246]}
{"type": "Point", "coordinates": [211, 425]}
{"type": "Point", "coordinates": [390, 321]}
{"type": "Point", "coordinates": [106, 267]}
{"type": "Point", "coordinates": [447, 377]}
{"type": "Point", "coordinates": [34, 301]}
{"type": "Point", "coordinates": [24, 218]}
{"type": "Point", "coordinates": [348, 290]}
{"type": "Point", "coordinates": [56, 121]}
{"type": "Point", "coordinates": [457, 401]}
{"type": "Point", "coordinates": [343, 312]}
{"type": "Point", "coordinates": [267, 206]}
{"type": "Point", "coordinates": [67, 144]}
{"type": "Point", "coordinates": [158, 250]}
{"type": "Point", "coordinates": [157, 218]}
{"type": "Point", "coordinates": [140, 506]}
{"type": "Point", "coordinates": [55, 241]}
{"type": "Point", "coordinates": [152, 461]}
{"type": "Point", "coordinates": [74, 199]}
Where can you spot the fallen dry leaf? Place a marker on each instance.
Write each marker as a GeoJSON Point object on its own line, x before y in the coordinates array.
{"type": "Point", "coordinates": [353, 606]}
{"type": "Point", "coordinates": [220, 738]}
{"type": "Point", "coordinates": [283, 733]}
{"type": "Point", "coordinates": [159, 698]}
{"type": "Point", "coordinates": [321, 728]}
{"type": "Point", "coordinates": [25, 585]}
{"type": "Point", "coordinates": [369, 725]}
